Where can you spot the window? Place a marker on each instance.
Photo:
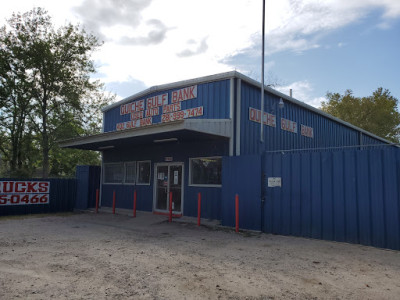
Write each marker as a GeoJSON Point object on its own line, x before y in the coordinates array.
{"type": "Point", "coordinates": [206, 171]}
{"type": "Point", "coordinates": [130, 172]}
{"type": "Point", "coordinates": [113, 173]}
{"type": "Point", "coordinates": [143, 171]}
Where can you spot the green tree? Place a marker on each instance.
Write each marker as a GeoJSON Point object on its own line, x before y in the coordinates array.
{"type": "Point", "coordinates": [49, 72]}
{"type": "Point", "coordinates": [14, 104]}
{"type": "Point", "coordinates": [377, 114]}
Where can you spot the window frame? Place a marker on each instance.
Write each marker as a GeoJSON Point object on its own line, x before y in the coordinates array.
{"type": "Point", "coordinates": [137, 172]}
{"type": "Point", "coordinates": [191, 172]}
{"type": "Point", "coordinates": [114, 163]}
{"type": "Point", "coordinates": [135, 166]}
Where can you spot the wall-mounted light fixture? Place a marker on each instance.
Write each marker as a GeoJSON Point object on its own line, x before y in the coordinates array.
{"type": "Point", "coordinates": [106, 147]}
{"type": "Point", "coordinates": [166, 140]}
{"type": "Point", "coordinates": [281, 103]}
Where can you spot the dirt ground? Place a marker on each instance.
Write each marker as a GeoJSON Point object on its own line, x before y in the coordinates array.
{"type": "Point", "coordinates": [104, 256]}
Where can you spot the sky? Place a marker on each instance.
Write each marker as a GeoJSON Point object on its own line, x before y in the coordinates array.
{"type": "Point", "coordinates": [311, 46]}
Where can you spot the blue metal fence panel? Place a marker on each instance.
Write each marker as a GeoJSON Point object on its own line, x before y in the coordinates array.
{"type": "Point", "coordinates": [61, 198]}
{"type": "Point", "coordinates": [88, 180]}
{"type": "Point", "coordinates": [316, 195]}
{"type": "Point", "coordinates": [391, 191]}
{"type": "Point", "coordinates": [241, 175]}
{"type": "Point", "coordinates": [346, 196]}
{"type": "Point", "coordinates": [350, 194]}
{"type": "Point", "coordinates": [213, 96]}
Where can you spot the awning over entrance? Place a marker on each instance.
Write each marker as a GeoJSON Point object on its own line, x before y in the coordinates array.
{"type": "Point", "coordinates": [187, 130]}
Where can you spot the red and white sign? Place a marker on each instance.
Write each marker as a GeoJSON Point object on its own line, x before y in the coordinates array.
{"type": "Point", "coordinates": [136, 115]}
{"type": "Point", "coordinates": [288, 125]}
{"type": "Point", "coordinates": [132, 107]}
{"type": "Point", "coordinates": [135, 123]}
{"type": "Point", "coordinates": [142, 111]}
{"type": "Point", "coordinates": [182, 114]}
{"type": "Point", "coordinates": [255, 116]}
{"type": "Point", "coordinates": [24, 192]}
{"type": "Point", "coordinates": [171, 108]}
{"type": "Point", "coordinates": [307, 131]}
{"type": "Point", "coordinates": [156, 101]}
{"type": "Point", "coordinates": [184, 94]}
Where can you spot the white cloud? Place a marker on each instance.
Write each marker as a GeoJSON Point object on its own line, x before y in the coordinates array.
{"type": "Point", "coordinates": [302, 91]}
{"type": "Point", "coordinates": [158, 41]}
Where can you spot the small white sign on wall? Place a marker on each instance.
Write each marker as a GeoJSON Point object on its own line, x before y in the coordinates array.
{"type": "Point", "coordinates": [274, 181]}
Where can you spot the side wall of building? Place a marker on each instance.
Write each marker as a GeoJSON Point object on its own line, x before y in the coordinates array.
{"type": "Point", "coordinates": [290, 127]}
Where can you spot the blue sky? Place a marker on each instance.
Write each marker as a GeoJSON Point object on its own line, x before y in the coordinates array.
{"type": "Point", "coordinates": [312, 46]}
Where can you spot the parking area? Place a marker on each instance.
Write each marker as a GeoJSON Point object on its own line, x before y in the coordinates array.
{"type": "Point", "coordinates": [107, 256]}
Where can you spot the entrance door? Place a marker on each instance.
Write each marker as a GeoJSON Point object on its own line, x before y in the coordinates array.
{"type": "Point", "coordinates": [168, 178]}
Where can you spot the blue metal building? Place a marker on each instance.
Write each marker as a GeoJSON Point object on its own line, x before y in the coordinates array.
{"type": "Point", "coordinates": [173, 137]}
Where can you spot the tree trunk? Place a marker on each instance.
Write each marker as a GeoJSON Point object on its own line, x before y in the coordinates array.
{"type": "Point", "coordinates": [46, 166]}
{"type": "Point", "coordinates": [45, 140]}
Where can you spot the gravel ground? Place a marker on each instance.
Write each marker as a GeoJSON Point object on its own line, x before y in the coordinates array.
{"type": "Point", "coordinates": [105, 256]}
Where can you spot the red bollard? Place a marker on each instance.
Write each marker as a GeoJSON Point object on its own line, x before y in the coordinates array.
{"type": "Point", "coordinates": [97, 201]}
{"type": "Point", "coordinates": [237, 212]}
{"type": "Point", "coordinates": [198, 208]}
{"type": "Point", "coordinates": [134, 204]}
{"type": "Point", "coordinates": [113, 209]}
{"type": "Point", "coordinates": [170, 207]}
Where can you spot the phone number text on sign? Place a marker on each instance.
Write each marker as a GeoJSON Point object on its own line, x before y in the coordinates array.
{"type": "Point", "coordinates": [24, 192]}
{"type": "Point", "coordinates": [22, 199]}
{"type": "Point", "coordinates": [182, 114]}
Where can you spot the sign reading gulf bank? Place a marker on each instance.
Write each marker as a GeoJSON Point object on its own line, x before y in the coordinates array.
{"type": "Point", "coordinates": [142, 112]}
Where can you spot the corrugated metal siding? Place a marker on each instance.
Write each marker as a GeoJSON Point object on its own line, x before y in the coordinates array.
{"type": "Point", "coordinates": [210, 202]}
{"type": "Point", "coordinates": [327, 133]}
{"type": "Point", "coordinates": [124, 196]}
{"type": "Point", "coordinates": [367, 140]}
{"type": "Point", "coordinates": [242, 175]}
{"type": "Point", "coordinates": [213, 96]}
{"type": "Point", "coordinates": [62, 198]}
{"type": "Point", "coordinates": [347, 196]}
{"type": "Point", "coordinates": [88, 180]}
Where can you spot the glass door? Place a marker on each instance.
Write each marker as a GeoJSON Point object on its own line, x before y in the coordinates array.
{"type": "Point", "coordinates": [168, 179]}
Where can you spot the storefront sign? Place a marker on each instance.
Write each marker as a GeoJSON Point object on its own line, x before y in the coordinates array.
{"type": "Point", "coordinates": [184, 94]}
{"type": "Point", "coordinates": [307, 131]}
{"type": "Point", "coordinates": [255, 116]}
{"type": "Point", "coordinates": [24, 192]}
{"type": "Point", "coordinates": [135, 123]}
{"type": "Point", "coordinates": [288, 125]}
{"type": "Point", "coordinates": [183, 114]}
{"type": "Point", "coordinates": [142, 112]}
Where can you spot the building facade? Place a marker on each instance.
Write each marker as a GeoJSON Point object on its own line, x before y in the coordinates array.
{"type": "Point", "coordinates": [172, 139]}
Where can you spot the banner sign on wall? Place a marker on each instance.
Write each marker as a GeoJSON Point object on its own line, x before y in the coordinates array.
{"type": "Point", "coordinates": [24, 192]}
{"type": "Point", "coordinates": [288, 125]}
{"type": "Point", "coordinates": [142, 111]}
{"type": "Point", "coordinates": [255, 116]}
{"type": "Point", "coordinates": [307, 131]}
